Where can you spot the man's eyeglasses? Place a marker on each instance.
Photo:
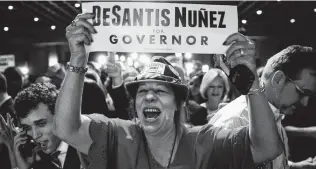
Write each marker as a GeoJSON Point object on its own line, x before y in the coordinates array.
{"type": "Point", "coordinates": [302, 92]}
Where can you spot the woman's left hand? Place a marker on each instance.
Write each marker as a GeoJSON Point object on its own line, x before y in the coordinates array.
{"type": "Point", "coordinates": [241, 51]}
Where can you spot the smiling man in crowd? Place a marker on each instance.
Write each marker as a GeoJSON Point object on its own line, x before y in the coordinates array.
{"type": "Point", "coordinates": [35, 108]}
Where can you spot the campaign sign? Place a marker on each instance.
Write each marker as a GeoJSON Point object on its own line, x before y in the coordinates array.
{"type": "Point", "coordinates": [161, 27]}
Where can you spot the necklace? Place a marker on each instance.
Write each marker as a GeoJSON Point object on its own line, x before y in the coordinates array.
{"type": "Point", "coordinates": [148, 153]}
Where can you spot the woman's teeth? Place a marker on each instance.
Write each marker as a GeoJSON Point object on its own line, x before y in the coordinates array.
{"type": "Point", "coordinates": [151, 114]}
{"type": "Point", "coordinates": [151, 110]}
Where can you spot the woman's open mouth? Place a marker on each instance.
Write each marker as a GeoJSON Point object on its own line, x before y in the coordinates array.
{"type": "Point", "coordinates": [215, 94]}
{"type": "Point", "coordinates": [151, 114]}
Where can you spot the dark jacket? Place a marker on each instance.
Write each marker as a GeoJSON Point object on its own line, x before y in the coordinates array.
{"type": "Point", "coordinates": [197, 113]}
{"type": "Point", "coordinates": [93, 100]}
{"type": "Point", "coordinates": [121, 102]}
{"type": "Point", "coordinates": [71, 161]}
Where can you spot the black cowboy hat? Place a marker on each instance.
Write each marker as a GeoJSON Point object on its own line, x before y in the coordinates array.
{"type": "Point", "coordinates": [159, 70]}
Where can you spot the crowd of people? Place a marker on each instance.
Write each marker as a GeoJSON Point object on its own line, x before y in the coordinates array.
{"type": "Point", "coordinates": [81, 115]}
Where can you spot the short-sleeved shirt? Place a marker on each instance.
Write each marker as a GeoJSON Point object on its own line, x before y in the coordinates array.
{"type": "Point", "coordinates": [120, 144]}
{"type": "Point", "coordinates": [235, 114]}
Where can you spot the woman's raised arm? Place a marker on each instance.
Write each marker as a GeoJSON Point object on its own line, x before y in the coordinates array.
{"type": "Point", "coordinates": [69, 124]}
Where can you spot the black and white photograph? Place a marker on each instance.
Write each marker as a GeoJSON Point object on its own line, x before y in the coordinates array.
{"type": "Point", "coordinates": [146, 84]}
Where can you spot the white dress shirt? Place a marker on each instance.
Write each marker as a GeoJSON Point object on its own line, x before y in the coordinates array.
{"type": "Point", "coordinates": [235, 114]}
{"type": "Point", "coordinates": [63, 147]}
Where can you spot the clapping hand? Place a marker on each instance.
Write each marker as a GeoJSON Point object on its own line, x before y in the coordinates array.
{"type": "Point", "coordinates": [7, 131]}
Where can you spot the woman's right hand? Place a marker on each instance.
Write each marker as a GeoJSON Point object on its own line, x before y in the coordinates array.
{"type": "Point", "coordinates": [19, 140]}
{"type": "Point", "coordinates": [78, 34]}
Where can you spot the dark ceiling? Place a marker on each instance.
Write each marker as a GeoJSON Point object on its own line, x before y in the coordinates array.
{"type": "Point", "coordinates": [273, 22]}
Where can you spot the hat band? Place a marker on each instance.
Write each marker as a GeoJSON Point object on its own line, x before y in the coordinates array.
{"type": "Point", "coordinates": [156, 76]}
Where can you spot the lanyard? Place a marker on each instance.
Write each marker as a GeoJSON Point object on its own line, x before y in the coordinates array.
{"type": "Point", "coordinates": [150, 158]}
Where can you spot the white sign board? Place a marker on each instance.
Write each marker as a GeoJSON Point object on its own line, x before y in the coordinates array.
{"type": "Point", "coordinates": [6, 61]}
{"type": "Point", "coordinates": [161, 27]}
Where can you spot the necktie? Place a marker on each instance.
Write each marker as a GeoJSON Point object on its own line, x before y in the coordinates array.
{"type": "Point", "coordinates": [55, 160]}
{"type": "Point", "coordinates": [72, 160]}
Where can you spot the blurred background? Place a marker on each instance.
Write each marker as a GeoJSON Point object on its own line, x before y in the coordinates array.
{"type": "Point", "coordinates": [33, 32]}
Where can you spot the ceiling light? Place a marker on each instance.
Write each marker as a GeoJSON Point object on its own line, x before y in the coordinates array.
{"type": "Point", "coordinates": [122, 58]}
{"type": "Point", "coordinates": [188, 56]}
{"type": "Point", "coordinates": [53, 27]}
{"type": "Point", "coordinates": [52, 58]}
{"type": "Point", "coordinates": [188, 67]}
{"type": "Point", "coordinates": [6, 28]}
{"type": "Point", "coordinates": [130, 61]}
{"type": "Point", "coordinates": [178, 54]}
{"type": "Point", "coordinates": [292, 20]}
{"type": "Point", "coordinates": [244, 21]}
{"type": "Point", "coordinates": [25, 70]}
{"type": "Point", "coordinates": [205, 68]}
{"type": "Point", "coordinates": [35, 19]}
{"type": "Point", "coordinates": [144, 59]}
{"type": "Point", "coordinates": [10, 7]}
{"type": "Point", "coordinates": [314, 9]}
{"type": "Point", "coordinates": [259, 12]}
{"type": "Point", "coordinates": [134, 56]}
{"type": "Point", "coordinates": [101, 59]}
{"type": "Point", "coordinates": [77, 5]}
{"type": "Point", "coordinates": [136, 64]}
{"type": "Point", "coordinates": [278, 0]}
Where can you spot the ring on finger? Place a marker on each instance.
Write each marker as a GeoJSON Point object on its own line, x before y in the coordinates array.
{"type": "Point", "coordinates": [74, 23]}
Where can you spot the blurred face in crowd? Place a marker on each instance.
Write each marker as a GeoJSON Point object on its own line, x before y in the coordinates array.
{"type": "Point", "coordinates": [39, 124]}
{"type": "Point", "coordinates": [295, 94]}
{"type": "Point", "coordinates": [215, 92]}
{"type": "Point", "coordinates": [155, 105]}
{"type": "Point", "coordinates": [194, 85]}
{"type": "Point", "coordinates": [197, 67]}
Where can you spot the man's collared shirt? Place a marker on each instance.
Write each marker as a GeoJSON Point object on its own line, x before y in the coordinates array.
{"type": "Point", "coordinates": [63, 147]}
{"type": "Point", "coordinates": [235, 114]}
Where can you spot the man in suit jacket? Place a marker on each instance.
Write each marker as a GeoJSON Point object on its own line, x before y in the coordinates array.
{"type": "Point", "coordinates": [6, 102]}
